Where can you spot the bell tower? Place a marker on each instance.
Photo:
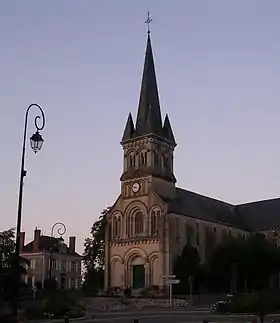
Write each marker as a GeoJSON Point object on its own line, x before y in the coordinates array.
{"type": "Point", "coordinates": [148, 143]}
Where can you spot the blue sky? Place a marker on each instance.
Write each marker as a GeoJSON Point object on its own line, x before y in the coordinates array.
{"type": "Point", "coordinates": [218, 71]}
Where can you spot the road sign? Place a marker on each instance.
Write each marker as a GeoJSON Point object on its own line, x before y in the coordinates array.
{"type": "Point", "coordinates": [174, 281]}
{"type": "Point", "coordinates": [168, 277]}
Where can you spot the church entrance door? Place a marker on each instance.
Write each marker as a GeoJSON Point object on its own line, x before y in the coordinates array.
{"type": "Point", "coordinates": [138, 276]}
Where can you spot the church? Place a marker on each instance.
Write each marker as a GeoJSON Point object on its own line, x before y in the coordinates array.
{"type": "Point", "coordinates": [153, 219]}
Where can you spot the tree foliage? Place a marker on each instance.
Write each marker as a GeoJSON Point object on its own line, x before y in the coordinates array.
{"type": "Point", "coordinates": [94, 254]}
{"type": "Point", "coordinates": [187, 266]}
{"type": "Point", "coordinates": [244, 264]}
{"type": "Point", "coordinates": [7, 252]}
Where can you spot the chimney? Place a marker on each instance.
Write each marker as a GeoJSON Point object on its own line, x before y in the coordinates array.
{"type": "Point", "coordinates": [37, 234]}
{"type": "Point", "coordinates": [21, 241]}
{"type": "Point", "coordinates": [72, 243]}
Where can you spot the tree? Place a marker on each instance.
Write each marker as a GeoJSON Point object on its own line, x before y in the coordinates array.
{"type": "Point", "coordinates": [7, 253]}
{"type": "Point", "coordinates": [186, 269]}
{"type": "Point", "coordinates": [94, 254]}
{"type": "Point", "coordinates": [244, 264]}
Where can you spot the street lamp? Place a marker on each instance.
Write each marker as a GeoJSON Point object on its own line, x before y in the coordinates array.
{"type": "Point", "coordinates": [36, 142]}
{"type": "Point", "coordinates": [61, 229]}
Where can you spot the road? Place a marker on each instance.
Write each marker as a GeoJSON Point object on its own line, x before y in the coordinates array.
{"type": "Point", "coordinates": [165, 316]}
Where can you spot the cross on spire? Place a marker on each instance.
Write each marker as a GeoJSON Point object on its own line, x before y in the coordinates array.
{"type": "Point", "coordinates": [148, 21]}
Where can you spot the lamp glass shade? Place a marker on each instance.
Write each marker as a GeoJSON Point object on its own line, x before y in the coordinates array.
{"type": "Point", "coordinates": [36, 142]}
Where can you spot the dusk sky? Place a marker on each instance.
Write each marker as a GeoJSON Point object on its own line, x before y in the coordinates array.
{"type": "Point", "coordinates": [218, 72]}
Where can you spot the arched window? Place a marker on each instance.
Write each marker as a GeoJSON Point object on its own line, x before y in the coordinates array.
{"type": "Point", "coordinates": [166, 164]}
{"type": "Point", "coordinates": [189, 234]}
{"type": "Point", "coordinates": [155, 218]}
{"type": "Point", "coordinates": [156, 158]}
{"type": "Point", "coordinates": [128, 226]}
{"type": "Point", "coordinates": [119, 227]}
{"type": "Point", "coordinates": [153, 223]}
{"type": "Point", "coordinates": [197, 234]}
{"type": "Point", "coordinates": [114, 228]}
{"type": "Point", "coordinates": [131, 160]}
{"type": "Point", "coordinates": [139, 222]}
{"type": "Point", "coordinates": [143, 158]}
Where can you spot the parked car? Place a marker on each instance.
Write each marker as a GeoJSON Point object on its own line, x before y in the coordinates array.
{"type": "Point", "coordinates": [222, 306]}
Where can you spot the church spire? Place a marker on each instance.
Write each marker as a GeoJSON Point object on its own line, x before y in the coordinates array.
{"type": "Point", "coordinates": [149, 107]}
{"type": "Point", "coordinates": [149, 119]}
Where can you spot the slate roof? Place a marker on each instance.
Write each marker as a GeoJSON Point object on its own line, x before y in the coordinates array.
{"type": "Point", "coordinates": [254, 216]}
{"type": "Point", "coordinates": [262, 215]}
{"type": "Point", "coordinates": [45, 244]}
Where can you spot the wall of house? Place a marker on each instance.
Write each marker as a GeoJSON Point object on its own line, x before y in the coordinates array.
{"type": "Point", "coordinates": [38, 270]}
{"type": "Point", "coordinates": [68, 266]}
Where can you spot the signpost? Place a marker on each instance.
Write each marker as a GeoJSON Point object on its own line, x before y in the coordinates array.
{"type": "Point", "coordinates": [191, 279]}
{"type": "Point", "coordinates": [170, 280]}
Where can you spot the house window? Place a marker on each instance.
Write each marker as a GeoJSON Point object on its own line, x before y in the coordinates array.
{"type": "Point", "coordinates": [74, 283]}
{"type": "Point", "coordinates": [32, 264]}
{"type": "Point", "coordinates": [30, 281]}
{"type": "Point", "coordinates": [65, 265]}
{"type": "Point", "coordinates": [139, 223]}
{"type": "Point", "coordinates": [54, 263]}
{"type": "Point", "coordinates": [58, 265]}
{"type": "Point", "coordinates": [73, 266]}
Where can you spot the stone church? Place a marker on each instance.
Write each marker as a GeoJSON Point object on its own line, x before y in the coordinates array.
{"type": "Point", "coordinates": [153, 219]}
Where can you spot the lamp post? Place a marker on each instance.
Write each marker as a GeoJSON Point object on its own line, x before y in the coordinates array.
{"type": "Point", "coordinates": [36, 142]}
{"type": "Point", "coordinates": [61, 229]}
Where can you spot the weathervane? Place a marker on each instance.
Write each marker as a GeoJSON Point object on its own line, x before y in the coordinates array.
{"type": "Point", "coordinates": [148, 21]}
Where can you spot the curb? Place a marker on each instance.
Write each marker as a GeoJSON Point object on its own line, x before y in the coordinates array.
{"type": "Point", "coordinates": [62, 320]}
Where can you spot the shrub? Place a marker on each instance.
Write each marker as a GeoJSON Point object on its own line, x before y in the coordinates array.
{"type": "Point", "coordinates": [58, 304]}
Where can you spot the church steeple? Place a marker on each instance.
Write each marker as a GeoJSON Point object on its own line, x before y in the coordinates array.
{"type": "Point", "coordinates": [149, 120]}
{"type": "Point", "coordinates": [148, 144]}
{"type": "Point", "coordinates": [149, 108]}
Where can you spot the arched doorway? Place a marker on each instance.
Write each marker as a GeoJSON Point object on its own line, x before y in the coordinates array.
{"type": "Point", "coordinates": [138, 276]}
{"type": "Point", "coordinates": [137, 272]}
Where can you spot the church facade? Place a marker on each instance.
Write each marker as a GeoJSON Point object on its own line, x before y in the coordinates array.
{"type": "Point", "coordinates": [153, 219]}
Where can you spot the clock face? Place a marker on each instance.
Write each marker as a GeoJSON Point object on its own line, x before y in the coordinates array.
{"type": "Point", "coordinates": [135, 187]}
